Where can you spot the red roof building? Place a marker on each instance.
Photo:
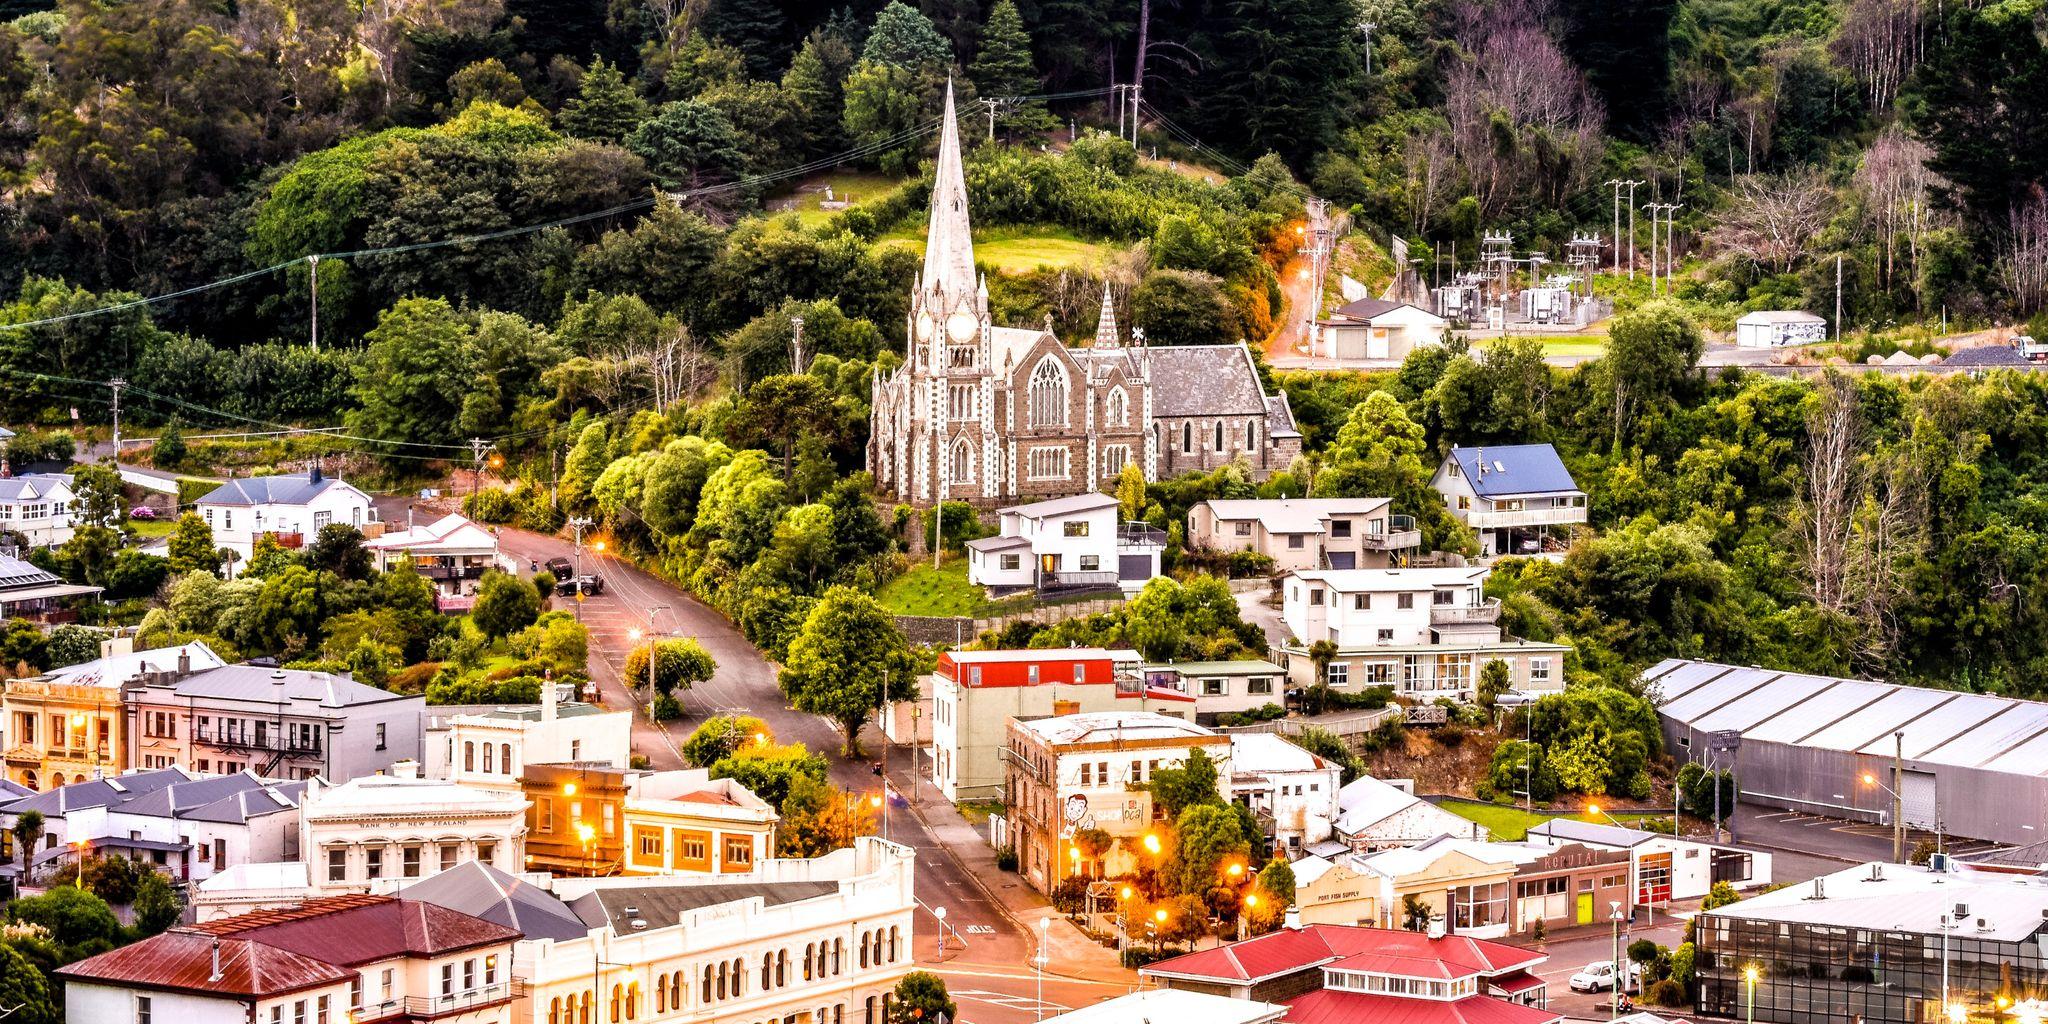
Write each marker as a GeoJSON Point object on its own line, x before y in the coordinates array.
{"type": "Point", "coordinates": [341, 958]}
{"type": "Point", "coordinates": [1331, 973]}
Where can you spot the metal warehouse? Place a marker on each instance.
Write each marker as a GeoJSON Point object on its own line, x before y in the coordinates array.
{"type": "Point", "coordinates": [1973, 765]}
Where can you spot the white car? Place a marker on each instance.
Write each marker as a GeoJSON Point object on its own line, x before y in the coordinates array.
{"type": "Point", "coordinates": [1598, 976]}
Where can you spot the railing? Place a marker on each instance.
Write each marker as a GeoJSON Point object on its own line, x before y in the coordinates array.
{"type": "Point", "coordinates": [1527, 517]}
{"type": "Point", "coordinates": [447, 573]}
{"type": "Point", "coordinates": [1132, 535]}
{"type": "Point", "coordinates": [289, 541]}
{"type": "Point", "coordinates": [287, 748]}
{"type": "Point", "coordinates": [1401, 534]}
{"type": "Point", "coordinates": [1485, 613]}
{"type": "Point", "coordinates": [1073, 582]}
{"type": "Point", "coordinates": [430, 1007]}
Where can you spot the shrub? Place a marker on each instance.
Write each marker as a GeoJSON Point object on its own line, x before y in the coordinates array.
{"type": "Point", "coordinates": [492, 506]}
{"type": "Point", "coordinates": [1071, 895]}
{"type": "Point", "coordinates": [1006, 858]}
{"type": "Point", "coordinates": [640, 762]}
{"type": "Point", "coordinates": [666, 708]}
{"type": "Point", "coordinates": [1537, 931]}
{"type": "Point", "coordinates": [1665, 993]}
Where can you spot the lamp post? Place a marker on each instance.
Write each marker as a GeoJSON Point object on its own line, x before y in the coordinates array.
{"type": "Point", "coordinates": [1251, 903]}
{"type": "Point", "coordinates": [1159, 933]}
{"type": "Point", "coordinates": [1749, 986]}
{"type": "Point", "coordinates": [1039, 962]}
{"type": "Point", "coordinates": [587, 835]}
{"type": "Point", "coordinates": [1123, 923]}
{"type": "Point", "coordinates": [1620, 969]}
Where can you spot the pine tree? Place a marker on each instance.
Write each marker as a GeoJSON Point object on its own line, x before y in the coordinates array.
{"type": "Point", "coordinates": [605, 108]}
{"type": "Point", "coordinates": [904, 38]}
{"type": "Point", "coordinates": [813, 84]}
{"type": "Point", "coordinates": [1004, 67]}
{"type": "Point", "coordinates": [755, 28]}
{"type": "Point", "coordinates": [1281, 69]}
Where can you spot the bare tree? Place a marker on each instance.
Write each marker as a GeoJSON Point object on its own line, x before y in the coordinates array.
{"type": "Point", "coordinates": [1522, 116]}
{"type": "Point", "coordinates": [1431, 168]}
{"type": "Point", "coordinates": [1835, 487]}
{"type": "Point", "coordinates": [1880, 42]}
{"type": "Point", "coordinates": [1898, 188]}
{"type": "Point", "coordinates": [2023, 260]}
{"type": "Point", "coordinates": [1772, 220]}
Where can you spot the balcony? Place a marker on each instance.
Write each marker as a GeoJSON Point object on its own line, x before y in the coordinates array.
{"type": "Point", "coordinates": [1401, 535]}
{"type": "Point", "coordinates": [450, 573]}
{"type": "Point", "coordinates": [1559, 516]}
{"type": "Point", "coordinates": [1023, 764]}
{"type": "Point", "coordinates": [1075, 584]}
{"type": "Point", "coordinates": [269, 744]}
{"type": "Point", "coordinates": [1139, 535]}
{"type": "Point", "coordinates": [1485, 613]}
{"type": "Point", "coordinates": [434, 1007]}
{"type": "Point", "coordinates": [290, 541]}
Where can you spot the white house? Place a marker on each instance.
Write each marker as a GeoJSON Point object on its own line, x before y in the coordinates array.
{"type": "Point", "coordinates": [37, 506]}
{"type": "Point", "coordinates": [1374, 815]}
{"type": "Point", "coordinates": [489, 746]}
{"type": "Point", "coordinates": [1066, 544]}
{"type": "Point", "coordinates": [1284, 785]}
{"type": "Point", "coordinates": [292, 508]}
{"type": "Point", "coordinates": [1427, 633]}
{"type": "Point", "coordinates": [1772, 328]}
{"type": "Point", "coordinates": [451, 551]}
{"type": "Point", "coordinates": [1664, 868]}
{"type": "Point", "coordinates": [1378, 329]}
{"type": "Point", "coordinates": [1305, 533]}
{"type": "Point", "coordinates": [402, 827]}
{"type": "Point", "coordinates": [190, 826]}
{"type": "Point", "coordinates": [1514, 497]}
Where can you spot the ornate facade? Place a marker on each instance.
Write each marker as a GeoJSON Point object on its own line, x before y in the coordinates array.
{"type": "Point", "coordinates": [993, 415]}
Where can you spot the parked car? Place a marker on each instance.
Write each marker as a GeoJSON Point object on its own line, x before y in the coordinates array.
{"type": "Point", "coordinates": [1599, 975]}
{"type": "Point", "coordinates": [1514, 699]}
{"type": "Point", "coordinates": [589, 584]}
{"type": "Point", "coordinates": [561, 568]}
{"type": "Point", "coordinates": [142, 512]}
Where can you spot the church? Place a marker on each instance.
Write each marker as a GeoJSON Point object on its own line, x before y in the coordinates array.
{"type": "Point", "coordinates": [998, 415]}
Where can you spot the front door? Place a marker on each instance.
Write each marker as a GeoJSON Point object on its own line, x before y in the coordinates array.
{"type": "Point", "coordinates": [1585, 909]}
{"type": "Point", "coordinates": [1048, 564]}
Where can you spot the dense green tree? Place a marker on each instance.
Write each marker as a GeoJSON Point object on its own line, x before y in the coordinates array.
{"type": "Point", "coordinates": [72, 645]}
{"type": "Point", "coordinates": [755, 28]}
{"type": "Point", "coordinates": [25, 991]}
{"type": "Point", "coordinates": [1004, 67]}
{"type": "Point", "coordinates": [338, 548]}
{"type": "Point", "coordinates": [1380, 452]}
{"type": "Point", "coordinates": [689, 144]}
{"type": "Point", "coordinates": [921, 998]}
{"type": "Point", "coordinates": [96, 495]}
{"type": "Point", "coordinates": [606, 107]}
{"type": "Point", "coordinates": [847, 662]}
{"type": "Point", "coordinates": [156, 904]}
{"type": "Point", "coordinates": [191, 546]}
{"type": "Point", "coordinates": [505, 604]}
{"type": "Point", "coordinates": [771, 771]}
{"type": "Point", "coordinates": [818, 818]}
{"type": "Point", "coordinates": [1278, 73]}
{"type": "Point", "coordinates": [1206, 836]}
{"type": "Point", "coordinates": [415, 374]}
{"type": "Point", "coordinates": [883, 101]}
{"type": "Point", "coordinates": [1192, 783]}
{"type": "Point", "coordinates": [28, 835]}
{"type": "Point", "coordinates": [73, 916]}
{"type": "Point", "coordinates": [1183, 307]}
{"type": "Point", "coordinates": [814, 83]}
{"type": "Point", "coordinates": [678, 664]}
{"type": "Point", "coordinates": [1650, 353]}
{"type": "Point", "coordinates": [722, 735]}
{"type": "Point", "coordinates": [904, 38]}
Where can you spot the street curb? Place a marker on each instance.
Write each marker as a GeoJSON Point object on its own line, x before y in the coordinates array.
{"type": "Point", "coordinates": [989, 894]}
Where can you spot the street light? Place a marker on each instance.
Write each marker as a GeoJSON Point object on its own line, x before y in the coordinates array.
{"type": "Point", "coordinates": [1620, 967]}
{"type": "Point", "coordinates": [1038, 1004]}
{"type": "Point", "coordinates": [1251, 903]}
{"type": "Point", "coordinates": [587, 834]}
{"type": "Point", "coordinates": [1159, 933]}
{"type": "Point", "coordinates": [1749, 985]}
{"type": "Point", "coordinates": [1152, 843]}
{"type": "Point", "coordinates": [1123, 923]}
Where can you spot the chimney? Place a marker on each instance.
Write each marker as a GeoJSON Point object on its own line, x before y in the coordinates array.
{"type": "Point", "coordinates": [313, 474]}
{"type": "Point", "coordinates": [1479, 456]}
{"type": "Point", "coordinates": [184, 662]}
{"type": "Point", "coordinates": [406, 769]}
{"type": "Point", "coordinates": [548, 698]}
{"type": "Point", "coordinates": [1292, 921]}
{"type": "Point", "coordinates": [215, 976]}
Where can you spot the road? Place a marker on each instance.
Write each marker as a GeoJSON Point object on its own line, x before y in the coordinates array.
{"type": "Point", "coordinates": [991, 977]}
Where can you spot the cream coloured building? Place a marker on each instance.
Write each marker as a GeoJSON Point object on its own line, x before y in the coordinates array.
{"type": "Point", "coordinates": [489, 746]}
{"type": "Point", "coordinates": [1306, 533]}
{"type": "Point", "coordinates": [399, 826]}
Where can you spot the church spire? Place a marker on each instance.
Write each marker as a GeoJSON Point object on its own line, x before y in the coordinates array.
{"type": "Point", "coordinates": [949, 242]}
{"type": "Point", "coordinates": [1105, 326]}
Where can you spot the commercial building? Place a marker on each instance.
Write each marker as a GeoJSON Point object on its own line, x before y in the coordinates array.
{"type": "Point", "coordinates": [1880, 943]}
{"type": "Point", "coordinates": [1519, 499]}
{"type": "Point", "coordinates": [278, 722]}
{"type": "Point", "coordinates": [1374, 815]}
{"type": "Point", "coordinates": [491, 745]}
{"type": "Point", "coordinates": [1426, 633]}
{"type": "Point", "coordinates": [1066, 546]}
{"type": "Point", "coordinates": [69, 724]}
{"type": "Point", "coordinates": [402, 827]}
{"type": "Point", "coordinates": [1291, 792]}
{"type": "Point", "coordinates": [1080, 773]}
{"type": "Point", "coordinates": [592, 819]}
{"type": "Point", "coordinates": [1969, 764]}
{"type": "Point", "coordinates": [451, 551]}
{"type": "Point", "coordinates": [1662, 867]}
{"type": "Point", "coordinates": [290, 508]}
{"type": "Point", "coordinates": [1305, 533]}
{"type": "Point", "coordinates": [36, 507]}
{"type": "Point", "coordinates": [190, 827]}
{"type": "Point", "coordinates": [974, 695]}
{"type": "Point", "coordinates": [1326, 974]}
{"type": "Point", "coordinates": [343, 958]}
{"type": "Point", "coordinates": [1470, 887]}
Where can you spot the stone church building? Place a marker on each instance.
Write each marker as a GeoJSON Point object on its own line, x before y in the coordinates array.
{"type": "Point", "coordinates": [997, 415]}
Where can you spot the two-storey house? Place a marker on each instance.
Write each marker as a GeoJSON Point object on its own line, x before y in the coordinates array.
{"type": "Point", "coordinates": [36, 507]}
{"type": "Point", "coordinates": [191, 827]}
{"type": "Point", "coordinates": [281, 723]}
{"type": "Point", "coordinates": [1305, 533]}
{"type": "Point", "coordinates": [290, 508]}
{"type": "Point", "coordinates": [70, 723]}
{"type": "Point", "coordinates": [1291, 792]}
{"type": "Point", "coordinates": [1080, 773]}
{"type": "Point", "coordinates": [490, 746]}
{"type": "Point", "coordinates": [354, 958]}
{"type": "Point", "coordinates": [1066, 545]}
{"type": "Point", "coordinates": [1427, 633]}
{"type": "Point", "coordinates": [1519, 499]}
{"type": "Point", "coordinates": [451, 551]}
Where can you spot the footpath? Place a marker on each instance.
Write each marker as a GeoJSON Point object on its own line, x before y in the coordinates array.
{"type": "Point", "coordinates": [1070, 954]}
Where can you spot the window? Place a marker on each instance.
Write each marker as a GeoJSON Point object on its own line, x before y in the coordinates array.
{"type": "Point", "coordinates": [411, 860]}
{"type": "Point", "coordinates": [1404, 601]}
{"type": "Point", "coordinates": [1114, 458]}
{"type": "Point", "coordinates": [1385, 636]}
{"type": "Point", "coordinates": [1087, 773]}
{"type": "Point", "coordinates": [1338, 674]}
{"type": "Point", "coordinates": [960, 402]}
{"type": "Point", "coordinates": [739, 850]}
{"type": "Point", "coordinates": [963, 461]}
{"type": "Point", "coordinates": [610, 814]}
{"type": "Point", "coordinates": [355, 990]}
{"type": "Point", "coordinates": [1091, 563]}
{"type": "Point", "coordinates": [1048, 464]}
{"type": "Point", "coordinates": [1340, 528]}
{"type": "Point", "coordinates": [1361, 602]}
{"type": "Point", "coordinates": [1315, 597]}
{"type": "Point", "coordinates": [374, 858]}
{"type": "Point", "coordinates": [1048, 390]}
{"type": "Point", "coordinates": [1077, 529]}
{"type": "Point", "coordinates": [448, 854]}
{"type": "Point", "coordinates": [1011, 563]}
{"type": "Point", "coordinates": [1539, 670]}
{"type": "Point", "coordinates": [490, 761]}
{"type": "Point", "coordinates": [468, 975]}
{"type": "Point", "coordinates": [1242, 528]}
{"type": "Point", "coordinates": [650, 843]}
{"type": "Point", "coordinates": [491, 969]}
{"type": "Point", "coordinates": [1259, 685]}
{"type": "Point", "coordinates": [1118, 408]}
{"type": "Point", "coordinates": [321, 1007]}
{"type": "Point", "coordinates": [1251, 434]}
{"type": "Point", "coordinates": [1219, 435]}
{"type": "Point", "coordinates": [1214, 688]}
{"type": "Point", "coordinates": [693, 848]}
{"type": "Point", "coordinates": [485, 851]}
{"type": "Point", "coordinates": [380, 735]}
{"type": "Point", "coordinates": [1295, 542]}
{"type": "Point", "coordinates": [337, 864]}
{"type": "Point", "coordinates": [447, 979]}
{"type": "Point", "coordinates": [504, 758]}
{"type": "Point", "coordinates": [144, 1011]}
{"type": "Point", "coordinates": [1187, 438]}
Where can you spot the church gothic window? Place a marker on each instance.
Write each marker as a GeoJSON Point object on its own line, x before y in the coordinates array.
{"type": "Point", "coordinates": [1048, 394]}
{"type": "Point", "coordinates": [1048, 463]}
{"type": "Point", "coordinates": [963, 462]}
{"type": "Point", "coordinates": [1187, 438]}
{"type": "Point", "coordinates": [1119, 408]}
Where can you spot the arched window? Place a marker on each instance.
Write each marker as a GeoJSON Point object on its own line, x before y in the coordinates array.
{"type": "Point", "coordinates": [707, 980]}
{"type": "Point", "coordinates": [555, 1010]}
{"type": "Point", "coordinates": [488, 760]}
{"type": "Point", "coordinates": [1219, 435]}
{"type": "Point", "coordinates": [632, 1000]}
{"type": "Point", "coordinates": [1048, 394]}
{"type": "Point", "coordinates": [895, 935]}
{"type": "Point", "coordinates": [963, 462]}
{"type": "Point", "coordinates": [615, 1004]}
{"type": "Point", "coordinates": [469, 755]}
{"type": "Point", "coordinates": [1187, 438]}
{"type": "Point", "coordinates": [1251, 435]}
{"type": "Point", "coordinates": [767, 970]}
{"type": "Point", "coordinates": [504, 758]}
{"type": "Point", "coordinates": [863, 951]}
{"type": "Point", "coordinates": [738, 971]}
{"type": "Point", "coordinates": [721, 979]}
{"type": "Point", "coordinates": [838, 956]}
{"type": "Point", "coordinates": [675, 990]}
{"type": "Point", "coordinates": [1119, 408]}
{"type": "Point", "coordinates": [781, 968]}
{"type": "Point", "coordinates": [589, 1005]}
{"type": "Point", "coordinates": [660, 994]}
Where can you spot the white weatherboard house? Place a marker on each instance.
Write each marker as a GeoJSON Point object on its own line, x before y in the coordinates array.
{"type": "Point", "coordinates": [1291, 791]}
{"type": "Point", "coordinates": [1375, 815]}
{"type": "Point", "coordinates": [38, 507]}
{"type": "Point", "coordinates": [1515, 497]}
{"type": "Point", "coordinates": [1066, 544]}
{"type": "Point", "coordinates": [1772, 328]}
{"type": "Point", "coordinates": [293, 508]}
{"type": "Point", "coordinates": [1378, 329]}
{"type": "Point", "coordinates": [451, 551]}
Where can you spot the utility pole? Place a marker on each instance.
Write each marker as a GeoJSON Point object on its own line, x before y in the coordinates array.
{"type": "Point", "coordinates": [1496, 249]}
{"type": "Point", "coordinates": [1137, 97]}
{"type": "Point", "coordinates": [579, 524]}
{"type": "Point", "coordinates": [1117, 92]}
{"type": "Point", "coordinates": [991, 103]}
{"type": "Point", "coordinates": [1617, 183]}
{"type": "Point", "coordinates": [1838, 296]}
{"type": "Point", "coordinates": [117, 384]}
{"type": "Point", "coordinates": [1651, 209]}
{"type": "Point", "coordinates": [1632, 228]}
{"type": "Point", "coordinates": [1367, 28]}
{"type": "Point", "coordinates": [313, 275]}
{"type": "Point", "coordinates": [796, 345]}
{"type": "Point", "coordinates": [477, 447]}
{"type": "Point", "coordinates": [1898, 780]}
{"type": "Point", "coordinates": [1671, 243]}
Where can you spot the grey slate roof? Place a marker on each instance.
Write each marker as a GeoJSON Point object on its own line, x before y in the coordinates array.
{"type": "Point", "coordinates": [11, 791]}
{"type": "Point", "coordinates": [1084, 502]}
{"type": "Point", "coordinates": [479, 890]}
{"type": "Point", "coordinates": [1514, 469]}
{"type": "Point", "coordinates": [1280, 416]}
{"type": "Point", "coordinates": [662, 906]}
{"type": "Point", "coordinates": [1205, 380]}
{"type": "Point", "coordinates": [55, 803]}
{"type": "Point", "coordinates": [31, 485]}
{"type": "Point", "coordinates": [249, 682]}
{"type": "Point", "coordinates": [170, 793]}
{"type": "Point", "coordinates": [284, 489]}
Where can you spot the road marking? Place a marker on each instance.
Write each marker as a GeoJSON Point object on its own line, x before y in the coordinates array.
{"type": "Point", "coordinates": [980, 929]}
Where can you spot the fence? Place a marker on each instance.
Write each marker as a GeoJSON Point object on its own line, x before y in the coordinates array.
{"type": "Point", "coordinates": [954, 630]}
{"type": "Point", "coordinates": [1348, 723]}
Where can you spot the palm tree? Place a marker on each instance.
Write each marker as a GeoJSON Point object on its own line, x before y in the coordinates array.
{"type": "Point", "coordinates": [1320, 654]}
{"type": "Point", "coordinates": [27, 830]}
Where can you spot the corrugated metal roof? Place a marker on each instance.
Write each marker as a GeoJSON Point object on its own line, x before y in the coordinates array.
{"type": "Point", "coordinates": [1943, 727]}
{"type": "Point", "coordinates": [478, 889]}
{"type": "Point", "coordinates": [1514, 469]}
{"type": "Point", "coordinates": [183, 960]}
{"type": "Point", "coordinates": [357, 929]}
{"type": "Point", "coordinates": [283, 489]}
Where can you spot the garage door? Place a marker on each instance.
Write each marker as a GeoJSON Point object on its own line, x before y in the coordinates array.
{"type": "Point", "coordinates": [1918, 800]}
{"type": "Point", "coordinates": [1134, 567]}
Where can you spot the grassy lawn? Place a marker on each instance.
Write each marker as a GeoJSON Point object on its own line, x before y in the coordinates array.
{"type": "Point", "coordinates": [1582, 347]}
{"type": "Point", "coordinates": [977, 811]}
{"type": "Point", "coordinates": [1511, 823]}
{"type": "Point", "coordinates": [1018, 251]}
{"type": "Point", "coordinates": [150, 529]}
{"type": "Point", "coordinates": [847, 186]}
{"type": "Point", "coordinates": [926, 591]}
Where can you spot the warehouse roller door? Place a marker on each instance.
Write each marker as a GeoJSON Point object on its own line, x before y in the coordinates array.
{"type": "Point", "coordinates": [1920, 804]}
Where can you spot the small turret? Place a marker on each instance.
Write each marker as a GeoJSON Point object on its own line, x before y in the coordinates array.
{"type": "Point", "coordinates": [1105, 325]}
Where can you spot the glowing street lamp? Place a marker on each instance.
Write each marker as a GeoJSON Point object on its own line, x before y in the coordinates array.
{"type": "Point", "coordinates": [587, 834]}
{"type": "Point", "coordinates": [1152, 843]}
{"type": "Point", "coordinates": [1749, 976]}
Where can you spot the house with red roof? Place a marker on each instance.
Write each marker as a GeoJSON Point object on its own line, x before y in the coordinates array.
{"type": "Point", "coordinates": [1327, 974]}
{"type": "Point", "coordinates": [356, 957]}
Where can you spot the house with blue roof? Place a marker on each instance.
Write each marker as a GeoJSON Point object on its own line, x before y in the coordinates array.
{"type": "Point", "coordinates": [1518, 498]}
{"type": "Point", "coordinates": [292, 508]}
